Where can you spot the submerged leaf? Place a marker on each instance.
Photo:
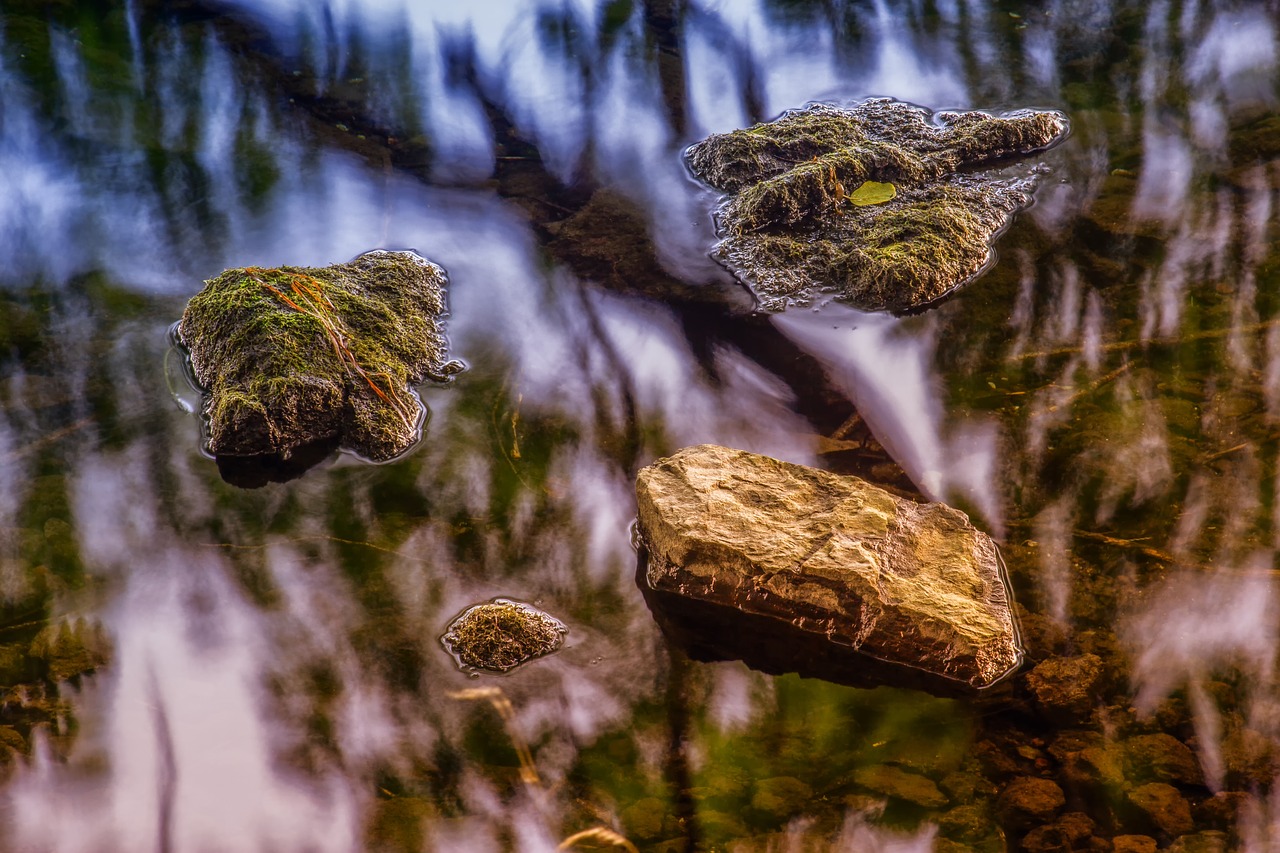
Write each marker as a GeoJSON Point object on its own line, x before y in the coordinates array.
{"type": "Point", "coordinates": [872, 192]}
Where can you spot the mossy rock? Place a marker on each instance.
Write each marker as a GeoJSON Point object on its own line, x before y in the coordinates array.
{"type": "Point", "coordinates": [70, 649]}
{"type": "Point", "coordinates": [296, 357]}
{"type": "Point", "coordinates": [501, 634]}
{"type": "Point", "coordinates": [797, 220]}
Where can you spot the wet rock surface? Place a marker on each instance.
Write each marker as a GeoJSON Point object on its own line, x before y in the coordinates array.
{"type": "Point", "coordinates": [501, 634]}
{"type": "Point", "coordinates": [297, 358]}
{"type": "Point", "coordinates": [1164, 807]}
{"type": "Point", "coordinates": [883, 203]}
{"type": "Point", "coordinates": [1029, 801]}
{"type": "Point", "coordinates": [837, 558]}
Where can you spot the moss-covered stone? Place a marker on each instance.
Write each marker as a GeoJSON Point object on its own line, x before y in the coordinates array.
{"type": "Point", "coordinates": [292, 357]}
{"type": "Point", "coordinates": [70, 649]}
{"type": "Point", "coordinates": [793, 225]}
{"type": "Point", "coordinates": [502, 634]}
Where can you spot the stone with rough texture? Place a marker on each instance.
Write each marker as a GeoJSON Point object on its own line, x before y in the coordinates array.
{"type": "Point", "coordinates": [1133, 844]}
{"type": "Point", "coordinates": [1161, 757]}
{"type": "Point", "coordinates": [1028, 801]}
{"type": "Point", "coordinates": [886, 203]}
{"type": "Point", "coordinates": [1066, 689]}
{"type": "Point", "coordinates": [1163, 807]}
{"type": "Point", "coordinates": [901, 785]}
{"type": "Point", "coordinates": [292, 357]}
{"type": "Point", "coordinates": [835, 557]}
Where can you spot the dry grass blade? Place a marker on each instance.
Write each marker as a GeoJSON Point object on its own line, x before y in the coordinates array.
{"type": "Point", "coordinates": [598, 833]}
{"type": "Point", "coordinates": [500, 703]}
{"type": "Point", "coordinates": [308, 298]}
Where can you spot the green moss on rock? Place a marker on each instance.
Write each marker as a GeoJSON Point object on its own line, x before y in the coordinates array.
{"type": "Point", "coordinates": [502, 634]}
{"type": "Point", "coordinates": [789, 226]}
{"type": "Point", "coordinates": [294, 356]}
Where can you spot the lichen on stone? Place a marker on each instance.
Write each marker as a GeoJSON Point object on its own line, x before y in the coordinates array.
{"type": "Point", "coordinates": [293, 356]}
{"type": "Point", "coordinates": [790, 228]}
{"type": "Point", "coordinates": [502, 634]}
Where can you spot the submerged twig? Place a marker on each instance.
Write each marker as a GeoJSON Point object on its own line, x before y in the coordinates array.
{"type": "Point", "coordinates": [500, 703]}
{"type": "Point", "coordinates": [1117, 346]}
{"type": "Point", "coordinates": [1092, 386]}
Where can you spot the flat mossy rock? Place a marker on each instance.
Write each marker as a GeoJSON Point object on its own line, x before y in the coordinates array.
{"type": "Point", "coordinates": [294, 357]}
{"type": "Point", "coordinates": [833, 558]}
{"type": "Point", "coordinates": [796, 222]}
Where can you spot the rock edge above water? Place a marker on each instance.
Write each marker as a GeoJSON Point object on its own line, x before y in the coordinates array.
{"type": "Point", "coordinates": [836, 557]}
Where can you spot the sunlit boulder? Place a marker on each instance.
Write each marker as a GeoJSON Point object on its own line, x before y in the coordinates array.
{"type": "Point", "coordinates": [811, 559]}
{"type": "Point", "coordinates": [884, 203]}
{"type": "Point", "coordinates": [294, 358]}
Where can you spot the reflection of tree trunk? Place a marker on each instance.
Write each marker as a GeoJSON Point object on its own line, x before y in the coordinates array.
{"type": "Point", "coordinates": [599, 234]}
{"type": "Point", "coordinates": [677, 763]}
{"type": "Point", "coordinates": [664, 23]}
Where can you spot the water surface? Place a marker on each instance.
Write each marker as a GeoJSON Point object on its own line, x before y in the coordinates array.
{"type": "Point", "coordinates": [267, 673]}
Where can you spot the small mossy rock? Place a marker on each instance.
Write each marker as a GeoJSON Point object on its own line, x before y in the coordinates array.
{"type": "Point", "coordinates": [788, 230]}
{"type": "Point", "coordinates": [71, 648]}
{"type": "Point", "coordinates": [1070, 832]}
{"type": "Point", "coordinates": [644, 818]}
{"type": "Point", "coordinates": [293, 357]}
{"type": "Point", "coordinates": [1209, 841]}
{"type": "Point", "coordinates": [834, 558]}
{"type": "Point", "coordinates": [1161, 757]}
{"type": "Point", "coordinates": [780, 797]}
{"type": "Point", "coordinates": [967, 823]}
{"type": "Point", "coordinates": [11, 740]}
{"type": "Point", "coordinates": [1163, 807]}
{"type": "Point", "coordinates": [901, 785]}
{"type": "Point", "coordinates": [502, 634]}
{"type": "Point", "coordinates": [964, 787]}
{"type": "Point", "coordinates": [398, 824]}
{"type": "Point", "coordinates": [1133, 844]}
{"type": "Point", "coordinates": [1250, 757]}
{"type": "Point", "coordinates": [1066, 689]}
{"type": "Point", "coordinates": [1222, 810]}
{"type": "Point", "coordinates": [1029, 801]}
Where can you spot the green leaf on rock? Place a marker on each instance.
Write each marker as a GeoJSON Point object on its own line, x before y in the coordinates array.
{"type": "Point", "coordinates": [872, 192]}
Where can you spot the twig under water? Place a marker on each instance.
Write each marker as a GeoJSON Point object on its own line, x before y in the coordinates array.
{"type": "Point", "coordinates": [1116, 346]}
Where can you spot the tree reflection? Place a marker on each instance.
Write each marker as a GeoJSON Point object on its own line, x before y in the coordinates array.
{"type": "Point", "coordinates": [1125, 348]}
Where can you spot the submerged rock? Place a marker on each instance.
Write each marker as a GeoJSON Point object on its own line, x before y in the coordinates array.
{"type": "Point", "coordinates": [834, 559]}
{"type": "Point", "coordinates": [809, 208]}
{"type": "Point", "coordinates": [293, 358]}
{"type": "Point", "coordinates": [500, 635]}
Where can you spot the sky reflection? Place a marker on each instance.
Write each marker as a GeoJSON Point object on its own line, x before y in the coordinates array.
{"type": "Point", "coordinates": [1103, 400]}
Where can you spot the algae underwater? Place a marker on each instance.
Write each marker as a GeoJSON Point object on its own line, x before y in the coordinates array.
{"type": "Point", "coordinates": [190, 665]}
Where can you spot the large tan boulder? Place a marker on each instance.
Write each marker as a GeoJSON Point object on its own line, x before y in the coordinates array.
{"type": "Point", "coordinates": [835, 557]}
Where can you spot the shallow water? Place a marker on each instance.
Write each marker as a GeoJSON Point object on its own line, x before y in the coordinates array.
{"type": "Point", "coordinates": [267, 671]}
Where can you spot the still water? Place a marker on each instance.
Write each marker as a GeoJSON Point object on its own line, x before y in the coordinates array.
{"type": "Point", "coordinates": [189, 666]}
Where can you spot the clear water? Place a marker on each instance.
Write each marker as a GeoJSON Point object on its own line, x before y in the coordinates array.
{"type": "Point", "coordinates": [267, 669]}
